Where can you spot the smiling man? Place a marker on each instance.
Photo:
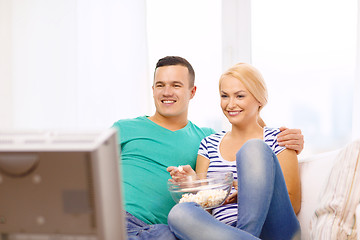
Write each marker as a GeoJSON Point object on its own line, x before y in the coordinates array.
{"type": "Point", "coordinates": [172, 90]}
{"type": "Point", "coordinates": [149, 144]}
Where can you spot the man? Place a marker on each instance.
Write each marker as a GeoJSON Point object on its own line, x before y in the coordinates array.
{"type": "Point", "coordinates": [150, 144]}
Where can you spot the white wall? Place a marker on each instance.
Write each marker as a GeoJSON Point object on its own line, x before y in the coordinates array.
{"type": "Point", "coordinates": [72, 64]}
{"type": "Point", "coordinates": [6, 103]}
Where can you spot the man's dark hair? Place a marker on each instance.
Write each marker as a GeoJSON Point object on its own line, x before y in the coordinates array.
{"type": "Point", "coordinates": [175, 60]}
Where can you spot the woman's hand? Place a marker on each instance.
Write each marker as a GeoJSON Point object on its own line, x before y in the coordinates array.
{"type": "Point", "coordinates": [180, 173]}
{"type": "Point", "coordinates": [232, 198]}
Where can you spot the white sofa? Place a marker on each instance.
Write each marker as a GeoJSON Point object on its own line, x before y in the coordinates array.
{"type": "Point", "coordinates": [314, 172]}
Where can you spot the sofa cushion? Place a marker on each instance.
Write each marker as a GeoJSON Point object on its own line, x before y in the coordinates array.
{"type": "Point", "coordinates": [334, 218]}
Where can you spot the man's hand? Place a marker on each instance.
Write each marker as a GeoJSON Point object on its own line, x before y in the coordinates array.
{"type": "Point", "coordinates": [291, 139]}
{"type": "Point", "coordinates": [180, 173]}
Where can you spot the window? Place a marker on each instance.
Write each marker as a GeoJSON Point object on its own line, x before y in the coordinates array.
{"type": "Point", "coordinates": [306, 51]}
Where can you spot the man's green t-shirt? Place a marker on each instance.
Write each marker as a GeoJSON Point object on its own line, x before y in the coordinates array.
{"type": "Point", "coordinates": [147, 149]}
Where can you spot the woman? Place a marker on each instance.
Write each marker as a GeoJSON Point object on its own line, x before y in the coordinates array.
{"type": "Point", "coordinates": [267, 174]}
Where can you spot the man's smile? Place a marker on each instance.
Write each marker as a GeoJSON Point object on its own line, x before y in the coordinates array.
{"type": "Point", "coordinates": [168, 101]}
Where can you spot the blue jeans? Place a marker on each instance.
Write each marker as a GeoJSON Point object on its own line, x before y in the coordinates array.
{"type": "Point", "coordinates": [264, 206]}
{"type": "Point", "coordinates": [138, 230]}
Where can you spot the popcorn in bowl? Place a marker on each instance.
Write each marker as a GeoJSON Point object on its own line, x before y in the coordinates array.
{"type": "Point", "coordinates": [208, 190]}
{"type": "Point", "coordinates": [206, 198]}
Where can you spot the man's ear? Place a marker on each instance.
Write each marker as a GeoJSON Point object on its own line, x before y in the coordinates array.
{"type": "Point", "coordinates": [193, 91]}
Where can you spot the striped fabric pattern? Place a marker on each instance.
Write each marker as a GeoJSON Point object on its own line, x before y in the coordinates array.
{"type": "Point", "coordinates": [334, 218]}
{"type": "Point", "coordinates": [209, 148]}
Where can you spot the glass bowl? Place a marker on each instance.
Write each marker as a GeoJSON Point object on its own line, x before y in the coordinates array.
{"type": "Point", "coordinates": [209, 190]}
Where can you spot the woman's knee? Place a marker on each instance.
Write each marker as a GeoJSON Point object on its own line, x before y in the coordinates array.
{"type": "Point", "coordinates": [180, 212]}
{"type": "Point", "coordinates": [254, 149]}
{"type": "Point", "coordinates": [253, 145]}
{"type": "Point", "coordinates": [254, 159]}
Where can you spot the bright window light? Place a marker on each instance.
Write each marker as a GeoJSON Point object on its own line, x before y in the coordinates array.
{"type": "Point", "coordinates": [190, 29]}
{"type": "Point", "coordinates": [306, 51]}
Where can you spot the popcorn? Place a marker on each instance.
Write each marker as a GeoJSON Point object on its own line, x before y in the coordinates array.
{"type": "Point", "coordinates": [180, 168]}
{"type": "Point", "coordinates": [205, 198]}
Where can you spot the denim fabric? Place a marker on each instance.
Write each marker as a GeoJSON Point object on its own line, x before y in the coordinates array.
{"type": "Point", "coordinates": [138, 230]}
{"type": "Point", "coordinates": [189, 221]}
{"type": "Point", "coordinates": [264, 205]}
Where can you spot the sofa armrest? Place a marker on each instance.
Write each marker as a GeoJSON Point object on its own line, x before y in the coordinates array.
{"type": "Point", "coordinates": [357, 217]}
{"type": "Point", "coordinates": [314, 171]}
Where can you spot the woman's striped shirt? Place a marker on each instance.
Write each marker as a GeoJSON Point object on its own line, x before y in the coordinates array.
{"type": "Point", "coordinates": [209, 148]}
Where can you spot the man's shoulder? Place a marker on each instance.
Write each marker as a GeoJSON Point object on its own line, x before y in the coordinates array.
{"type": "Point", "coordinates": [130, 128]}
{"type": "Point", "coordinates": [129, 121]}
{"type": "Point", "coordinates": [206, 131]}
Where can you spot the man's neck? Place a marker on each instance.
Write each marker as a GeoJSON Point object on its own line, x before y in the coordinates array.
{"type": "Point", "coordinates": [171, 123]}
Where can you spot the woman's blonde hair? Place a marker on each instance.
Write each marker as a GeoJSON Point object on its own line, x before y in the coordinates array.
{"type": "Point", "coordinates": [252, 79]}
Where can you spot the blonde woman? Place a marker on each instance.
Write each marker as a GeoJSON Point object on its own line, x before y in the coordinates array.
{"type": "Point", "coordinates": [267, 176]}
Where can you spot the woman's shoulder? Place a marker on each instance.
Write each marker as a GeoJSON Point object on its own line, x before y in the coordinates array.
{"type": "Point", "coordinates": [213, 139]}
{"type": "Point", "coordinates": [270, 138]}
{"type": "Point", "coordinates": [217, 135]}
{"type": "Point", "coordinates": [270, 132]}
